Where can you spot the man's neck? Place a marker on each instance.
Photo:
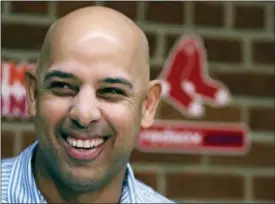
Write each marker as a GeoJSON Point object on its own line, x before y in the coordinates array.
{"type": "Point", "coordinates": [52, 193]}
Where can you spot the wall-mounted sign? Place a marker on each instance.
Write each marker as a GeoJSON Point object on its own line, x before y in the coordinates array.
{"type": "Point", "coordinates": [186, 81]}
{"type": "Point", "coordinates": [13, 95]}
{"type": "Point", "coordinates": [187, 86]}
{"type": "Point", "coordinates": [196, 137]}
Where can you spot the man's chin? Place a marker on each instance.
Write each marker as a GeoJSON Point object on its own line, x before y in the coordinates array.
{"type": "Point", "coordinates": [82, 183]}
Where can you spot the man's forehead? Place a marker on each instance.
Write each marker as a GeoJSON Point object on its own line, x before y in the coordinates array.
{"type": "Point", "coordinates": [95, 51]}
{"type": "Point", "coordinates": [93, 59]}
{"type": "Point", "coordinates": [93, 47]}
{"type": "Point", "coordinates": [86, 69]}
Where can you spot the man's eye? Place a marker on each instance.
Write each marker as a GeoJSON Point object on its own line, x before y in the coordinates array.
{"type": "Point", "coordinates": [113, 91]}
{"type": "Point", "coordinates": [60, 85]}
{"type": "Point", "coordinates": [62, 88]}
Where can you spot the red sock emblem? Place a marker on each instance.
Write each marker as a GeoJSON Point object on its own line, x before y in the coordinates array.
{"type": "Point", "coordinates": [186, 82]}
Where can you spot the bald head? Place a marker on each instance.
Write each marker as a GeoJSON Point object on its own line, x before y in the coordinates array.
{"type": "Point", "coordinates": [97, 29]}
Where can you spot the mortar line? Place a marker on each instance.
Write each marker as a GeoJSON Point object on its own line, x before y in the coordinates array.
{"type": "Point", "coordinates": [52, 10]}
{"type": "Point", "coordinates": [17, 143]}
{"type": "Point", "coordinates": [229, 17]}
{"type": "Point", "coordinates": [188, 13]}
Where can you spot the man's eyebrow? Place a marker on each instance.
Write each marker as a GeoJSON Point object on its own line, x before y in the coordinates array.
{"type": "Point", "coordinates": [58, 74]}
{"type": "Point", "coordinates": [118, 80]}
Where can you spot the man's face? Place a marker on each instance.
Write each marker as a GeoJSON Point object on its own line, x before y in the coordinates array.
{"type": "Point", "coordinates": [89, 110]}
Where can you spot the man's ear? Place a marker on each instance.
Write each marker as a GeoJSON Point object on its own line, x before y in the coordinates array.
{"type": "Point", "coordinates": [151, 103]}
{"type": "Point", "coordinates": [30, 86]}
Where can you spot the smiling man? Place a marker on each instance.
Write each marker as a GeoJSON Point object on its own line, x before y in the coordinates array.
{"type": "Point", "coordinates": [89, 97]}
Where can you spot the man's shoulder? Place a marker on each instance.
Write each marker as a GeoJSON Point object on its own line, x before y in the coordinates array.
{"type": "Point", "coordinates": [10, 164]}
{"type": "Point", "coordinates": [147, 194]}
{"type": "Point", "coordinates": [6, 169]}
{"type": "Point", "coordinates": [7, 164]}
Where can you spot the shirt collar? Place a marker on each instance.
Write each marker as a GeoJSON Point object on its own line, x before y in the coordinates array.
{"type": "Point", "coordinates": [129, 191]}
{"type": "Point", "coordinates": [23, 182]}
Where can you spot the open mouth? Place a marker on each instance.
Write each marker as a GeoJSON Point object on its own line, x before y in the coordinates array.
{"type": "Point", "coordinates": [84, 143]}
{"type": "Point", "coordinates": [84, 148]}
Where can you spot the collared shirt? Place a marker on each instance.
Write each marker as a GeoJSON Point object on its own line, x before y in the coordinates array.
{"type": "Point", "coordinates": [19, 186]}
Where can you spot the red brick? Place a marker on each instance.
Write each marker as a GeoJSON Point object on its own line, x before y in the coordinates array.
{"type": "Point", "coordinates": [249, 17]}
{"type": "Point", "coordinates": [260, 155]}
{"type": "Point", "coordinates": [29, 7]}
{"type": "Point", "coordinates": [165, 12]}
{"type": "Point", "coordinates": [154, 72]}
{"type": "Point", "coordinates": [17, 36]}
{"type": "Point", "coordinates": [204, 186]}
{"type": "Point", "coordinates": [262, 119]}
{"type": "Point", "coordinates": [218, 49]}
{"type": "Point", "coordinates": [225, 114]}
{"type": "Point", "coordinates": [7, 143]}
{"type": "Point", "coordinates": [28, 139]}
{"type": "Point", "coordinates": [247, 84]}
{"type": "Point", "coordinates": [33, 60]}
{"type": "Point", "coordinates": [263, 52]}
{"type": "Point", "coordinates": [128, 8]}
{"type": "Point", "coordinates": [152, 40]}
{"type": "Point", "coordinates": [149, 178]}
{"type": "Point", "coordinates": [170, 43]}
{"type": "Point", "coordinates": [263, 188]}
{"type": "Point", "coordinates": [209, 14]}
{"type": "Point", "coordinates": [223, 50]}
{"type": "Point", "coordinates": [65, 7]}
{"type": "Point", "coordinates": [162, 158]}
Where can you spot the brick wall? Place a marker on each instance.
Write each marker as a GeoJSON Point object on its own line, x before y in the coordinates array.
{"type": "Point", "coordinates": [239, 38]}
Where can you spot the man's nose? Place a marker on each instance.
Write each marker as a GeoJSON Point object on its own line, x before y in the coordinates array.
{"type": "Point", "coordinates": [85, 109]}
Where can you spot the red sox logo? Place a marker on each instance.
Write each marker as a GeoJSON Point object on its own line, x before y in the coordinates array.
{"type": "Point", "coordinates": [186, 82]}
{"type": "Point", "coordinates": [186, 86]}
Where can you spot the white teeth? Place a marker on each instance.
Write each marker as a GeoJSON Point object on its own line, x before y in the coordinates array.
{"type": "Point", "coordinates": [70, 140]}
{"type": "Point", "coordinates": [100, 141]}
{"type": "Point", "coordinates": [74, 142]}
{"type": "Point", "coordinates": [85, 143]}
{"type": "Point", "coordinates": [92, 143]}
{"type": "Point", "coordinates": [80, 143]}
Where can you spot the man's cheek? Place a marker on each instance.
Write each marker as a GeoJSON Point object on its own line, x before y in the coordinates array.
{"type": "Point", "coordinates": [120, 113]}
{"type": "Point", "coordinates": [125, 122]}
{"type": "Point", "coordinates": [53, 109]}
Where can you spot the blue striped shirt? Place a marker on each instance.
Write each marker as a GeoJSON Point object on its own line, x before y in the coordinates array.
{"type": "Point", "coordinates": [18, 184]}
